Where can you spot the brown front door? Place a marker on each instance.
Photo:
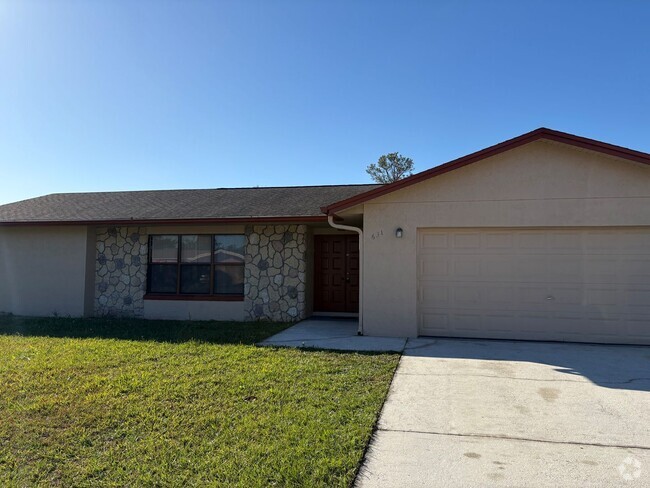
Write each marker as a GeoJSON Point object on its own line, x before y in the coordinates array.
{"type": "Point", "coordinates": [336, 273]}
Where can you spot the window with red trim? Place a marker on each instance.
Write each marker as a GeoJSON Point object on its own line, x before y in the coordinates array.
{"type": "Point", "coordinates": [196, 265]}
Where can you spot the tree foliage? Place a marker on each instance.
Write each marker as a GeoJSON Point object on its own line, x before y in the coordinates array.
{"type": "Point", "coordinates": [390, 167]}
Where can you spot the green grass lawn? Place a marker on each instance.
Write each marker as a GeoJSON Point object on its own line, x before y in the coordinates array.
{"type": "Point", "coordinates": [146, 403]}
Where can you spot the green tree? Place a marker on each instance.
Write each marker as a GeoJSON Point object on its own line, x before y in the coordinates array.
{"type": "Point", "coordinates": [390, 167]}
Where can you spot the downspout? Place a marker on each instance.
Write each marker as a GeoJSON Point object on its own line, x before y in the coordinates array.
{"type": "Point", "coordinates": [330, 220]}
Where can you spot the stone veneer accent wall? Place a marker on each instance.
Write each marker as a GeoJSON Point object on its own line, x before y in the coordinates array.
{"type": "Point", "coordinates": [275, 272]}
{"type": "Point", "coordinates": [121, 271]}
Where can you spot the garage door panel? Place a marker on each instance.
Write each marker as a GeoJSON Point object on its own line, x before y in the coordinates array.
{"type": "Point", "coordinates": [530, 267]}
{"type": "Point", "coordinates": [567, 269]}
{"type": "Point", "coordinates": [434, 241]}
{"type": "Point", "coordinates": [530, 296]}
{"type": "Point", "coordinates": [498, 241]}
{"type": "Point", "coordinates": [468, 267]}
{"type": "Point", "coordinates": [530, 241]}
{"type": "Point", "coordinates": [466, 240]}
{"type": "Point", "coordinates": [621, 242]}
{"type": "Point", "coordinates": [638, 299]}
{"type": "Point", "coordinates": [435, 322]}
{"type": "Point", "coordinates": [476, 296]}
{"type": "Point", "coordinates": [600, 297]}
{"type": "Point", "coordinates": [603, 269]}
{"type": "Point", "coordinates": [589, 285]}
{"type": "Point", "coordinates": [566, 323]}
{"type": "Point", "coordinates": [466, 295]}
{"type": "Point", "coordinates": [534, 325]}
{"type": "Point", "coordinates": [500, 323]}
{"type": "Point", "coordinates": [564, 297]}
{"type": "Point", "coordinates": [502, 296]}
{"type": "Point", "coordinates": [434, 294]}
{"type": "Point", "coordinates": [467, 322]}
{"type": "Point", "coordinates": [435, 266]}
{"type": "Point", "coordinates": [604, 325]}
{"type": "Point", "coordinates": [637, 270]}
{"type": "Point", "coordinates": [496, 267]}
{"type": "Point", "coordinates": [604, 242]}
{"type": "Point", "coordinates": [564, 242]}
{"type": "Point", "coordinates": [638, 326]}
{"type": "Point", "coordinates": [499, 268]}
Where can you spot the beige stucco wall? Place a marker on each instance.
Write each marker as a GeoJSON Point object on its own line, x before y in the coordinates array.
{"type": "Point", "coordinates": [542, 184]}
{"type": "Point", "coordinates": [43, 270]}
{"type": "Point", "coordinates": [193, 310]}
{"type": "Point", "coordinates": [91, 257]}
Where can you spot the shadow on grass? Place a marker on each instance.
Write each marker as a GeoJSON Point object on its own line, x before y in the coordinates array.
{"type": "Point", "coordinates": [175, 331]}
{"type": "Point", "coordinates": [357, 352]}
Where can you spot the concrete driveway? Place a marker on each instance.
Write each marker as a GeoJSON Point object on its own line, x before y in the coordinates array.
{"type": "Point", "coordinates": [501, 413]}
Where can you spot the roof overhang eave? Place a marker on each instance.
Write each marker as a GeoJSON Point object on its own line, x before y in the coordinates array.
{"type": "Point", "coordinates": [221, 220]}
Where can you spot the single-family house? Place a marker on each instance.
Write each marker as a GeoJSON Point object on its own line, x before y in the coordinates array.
{"type": "Point", "coordinates": [542, 237]}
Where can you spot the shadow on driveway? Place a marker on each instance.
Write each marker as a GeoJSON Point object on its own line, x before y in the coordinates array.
{"type": "Point", "coordinates": [610, 366]}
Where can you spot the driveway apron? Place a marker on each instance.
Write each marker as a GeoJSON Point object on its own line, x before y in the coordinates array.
{"type": "Point", "coordinates": [507, 413]}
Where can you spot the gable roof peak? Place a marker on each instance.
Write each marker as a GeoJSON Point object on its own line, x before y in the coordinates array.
{"type": "Point", "coordinates": [526, 138]}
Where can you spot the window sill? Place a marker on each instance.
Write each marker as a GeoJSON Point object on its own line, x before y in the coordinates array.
{"type": "Point", "coordinates": [201, 298]}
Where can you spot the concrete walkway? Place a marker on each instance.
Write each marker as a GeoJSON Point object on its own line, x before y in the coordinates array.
{"type": "Point", "coordinates": [500, 413]}
{"type": "Point", "coordinates": [337, 334]}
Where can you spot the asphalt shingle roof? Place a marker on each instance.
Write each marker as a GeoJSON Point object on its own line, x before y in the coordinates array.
{"type": "Point", "coordinates": [220, 203]}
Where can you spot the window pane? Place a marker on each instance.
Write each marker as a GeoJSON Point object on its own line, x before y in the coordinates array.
{"type": "Point", "coordinates": [195, 249]}
{"type": "Point", "coordinates": [229, 280]}
{"type": "Point", "coordinates": [195, 278]}
{"type": "Point", "coordinates": [229, 249]}
{"type": "Point", "coordinates": [163, 278]}
{"type": "Point", "coordinates": [164, 249]}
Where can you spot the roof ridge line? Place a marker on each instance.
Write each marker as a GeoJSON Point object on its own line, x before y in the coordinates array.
{"type": "Point", "coordinates": [200, 189]}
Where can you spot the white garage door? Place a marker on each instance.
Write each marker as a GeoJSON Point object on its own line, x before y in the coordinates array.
{"type": "Point", "coordinates": [584, 285]}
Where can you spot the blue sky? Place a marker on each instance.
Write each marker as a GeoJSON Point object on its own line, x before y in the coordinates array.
{"type": "Point", "coordinates": [110, 95]}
